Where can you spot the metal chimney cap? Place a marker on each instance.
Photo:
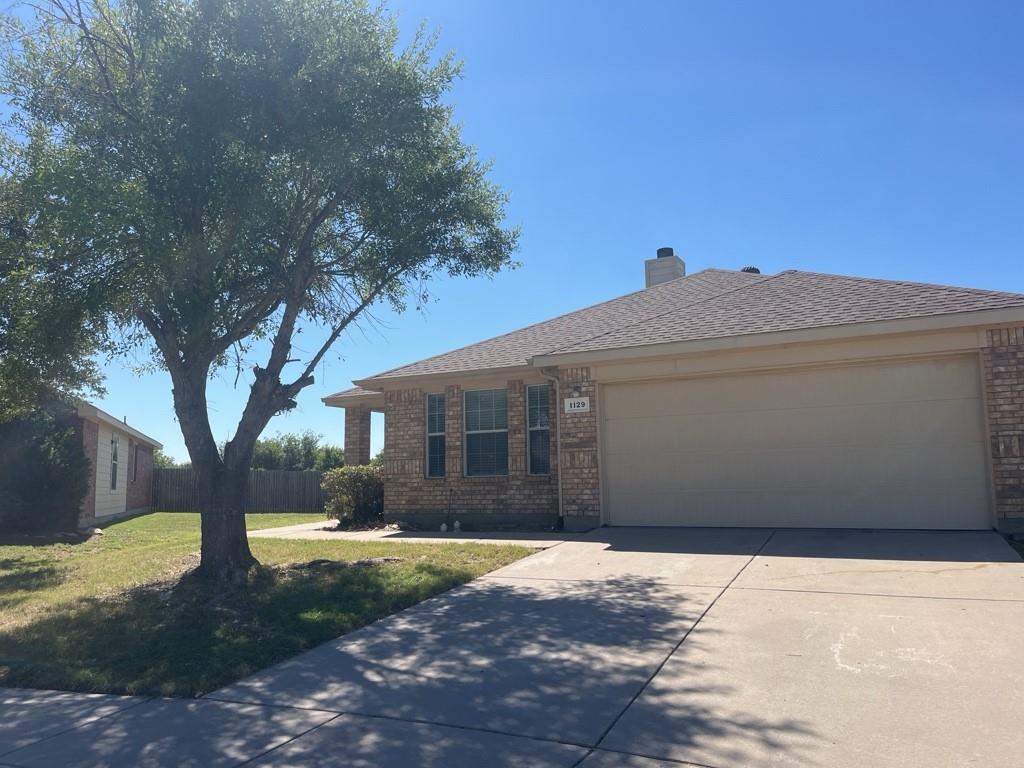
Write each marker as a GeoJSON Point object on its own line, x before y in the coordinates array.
{"type": "Point", "coordinates": [666, 253]}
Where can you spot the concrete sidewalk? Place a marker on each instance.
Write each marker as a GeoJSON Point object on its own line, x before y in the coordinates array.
{"type": "Point", "coordinates": [323, 531]}
{"type": "Point", "coordinates": [624, 647]}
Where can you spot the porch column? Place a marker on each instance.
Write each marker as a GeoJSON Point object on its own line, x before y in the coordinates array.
{"type": "Point", "coordinates": [357, 435]}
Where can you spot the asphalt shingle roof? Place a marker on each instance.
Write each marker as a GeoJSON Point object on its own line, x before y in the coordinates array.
{"type": "Point", "coordinates": [517, 347]}
{"type": "Point", "coordinates": [797, 300]}
{"type": "Point", "coordinates": [712, 304]}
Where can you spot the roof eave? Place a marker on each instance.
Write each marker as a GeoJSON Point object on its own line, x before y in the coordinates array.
{"type": "Point", "coordinates": [373, 400]}
{"type": "Point", "coordinates": [423, 379]}
{"type": "Point", "coordinates": [90, 411]}
{"type": "Point", "coordinates": [924, 324]}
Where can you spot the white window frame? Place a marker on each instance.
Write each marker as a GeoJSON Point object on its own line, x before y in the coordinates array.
{"type": "Point", "coordinates": [529, 430]}
{"type": "Point", "coordinates": [466, 432]}
{"type": "Point", "coordinates": [114, 461]}
{"type": "Point", "coordinates": [429, 434]}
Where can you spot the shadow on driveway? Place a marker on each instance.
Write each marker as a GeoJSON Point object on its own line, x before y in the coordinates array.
{"type": "Point", "coordinates": [557, 661]}
{"type": "Point", "coordinates": [844, 543]}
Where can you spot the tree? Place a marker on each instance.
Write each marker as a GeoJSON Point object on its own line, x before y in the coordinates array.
{"type": "Point", "coordinates": [296, 452]}
{"type": "Point", "coordinates": [329, 457]}
{"type": "Point", "coordinates": [47, 337]}
{"type": "Point", "coordinates": [223, 174]}
{"type": "Point", "coordinates": [46, 472]}
{"type": "Point", "coordinates": [162, 461]}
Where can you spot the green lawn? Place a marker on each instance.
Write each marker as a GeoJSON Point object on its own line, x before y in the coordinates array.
{"type": "Point", "coordinates": [103, 615]}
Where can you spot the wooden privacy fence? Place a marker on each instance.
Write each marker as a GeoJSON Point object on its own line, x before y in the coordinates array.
{"type": "Point", "coordinates": [270, 490]}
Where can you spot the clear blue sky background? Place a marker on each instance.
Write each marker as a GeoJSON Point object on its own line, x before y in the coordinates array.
{"type": "Point", "coordinates": [867, 138]}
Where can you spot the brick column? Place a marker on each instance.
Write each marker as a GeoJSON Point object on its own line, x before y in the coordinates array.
{"type": "Point", "coordinates": [357, 435]}
{"type": "Point", "coordinates": [516, 427]}
{"type": "Point", "coordinates": [90, 433]}
{"type": "Point", "coordinates": [578, 459]}
{"type": "Point", "coordinates": [453, 433]}
{"type": "Point", "coordinates": [1003, 360]}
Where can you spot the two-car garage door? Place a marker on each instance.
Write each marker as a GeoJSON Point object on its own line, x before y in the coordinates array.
{"type": "Point", "coordinates": [895, 445]}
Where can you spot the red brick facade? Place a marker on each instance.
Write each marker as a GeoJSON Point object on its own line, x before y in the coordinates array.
{"type": "Point", "coordinates": [581, 480]}
{"type": "Point", "coordinates": [517, 498]}
{"type": "Point", "coordinates": [90, 434]}
{"type": "Point", "coordinates": [357, 436]}
{"type": "Point", "coordinates": [1003, 361]}
{"type": "Point", "coordinates": [140, 479]}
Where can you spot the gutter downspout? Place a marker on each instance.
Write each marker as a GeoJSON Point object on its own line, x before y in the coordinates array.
{"type": "Point", "coordinates": [558, 441]}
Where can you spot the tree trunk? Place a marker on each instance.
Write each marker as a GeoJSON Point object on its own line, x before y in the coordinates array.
{"type": "Point", "coordinates": [222, 484]}
{"type": "Point", "coordinates": [225, 555]}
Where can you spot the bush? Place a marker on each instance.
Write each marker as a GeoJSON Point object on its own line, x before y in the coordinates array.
{"type": "Point", "coordinates": [45, 473]}
{"type": "Point", "coordinates": [355, 495]}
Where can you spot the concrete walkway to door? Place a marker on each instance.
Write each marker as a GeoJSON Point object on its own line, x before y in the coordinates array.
{"type": "Point", "coordinates": [624, 647]}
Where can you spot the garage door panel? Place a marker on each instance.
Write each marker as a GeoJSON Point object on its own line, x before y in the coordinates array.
{"type": "Point", "coordinates": [907, 423]}
{"type": "Point", "coordinates": [826, 387]}
{"type": "Point", "coordinates": [804, 508]}
{"type": "Point", "coordinates": [895, 445]}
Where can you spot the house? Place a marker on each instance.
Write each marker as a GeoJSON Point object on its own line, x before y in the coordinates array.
{"type": "Point", "coordinates": [121, 480]}
{"type": "Point", "coordinates": [721, 398]}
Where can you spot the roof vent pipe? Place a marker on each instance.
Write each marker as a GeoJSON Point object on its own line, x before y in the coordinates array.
{"type": "Point", "coordinates": [664, 267]}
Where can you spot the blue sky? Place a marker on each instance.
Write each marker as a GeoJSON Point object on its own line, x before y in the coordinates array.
{"type": "Point", "coordinates": [877, 139]}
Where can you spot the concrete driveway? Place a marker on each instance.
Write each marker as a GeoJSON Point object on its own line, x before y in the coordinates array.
{"type": "Point", "coordinates": [630, 647]}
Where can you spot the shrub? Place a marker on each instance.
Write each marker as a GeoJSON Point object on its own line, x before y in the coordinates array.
{"type": "Point", "coordinates": [45, 473]}
{"type": "Point", "coordinates": [355, 495]}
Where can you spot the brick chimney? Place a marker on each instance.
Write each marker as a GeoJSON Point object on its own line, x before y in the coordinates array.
{"type": "Point", "coordinates": [664, 267]}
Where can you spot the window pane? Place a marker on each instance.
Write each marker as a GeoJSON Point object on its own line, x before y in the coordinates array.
{"type": "Point", "coordinates": [473, 411]}
{"type": "Point", "coordinates": [435, 414]}
{"type": "Point", "coordinates": [486, 409]}
{"type": "Point", "coordinates": [500, 409]}
{"type": "Point", "coordinates": [537, 405]}
{"type": "Point", "coordinates": [540, 452]}
{"type": "Point", "coordinates": [113, 463]}
{"type": "Point", "coordinates": [487, 453]}
{"type": "Point", "coordinates": [435, 456]}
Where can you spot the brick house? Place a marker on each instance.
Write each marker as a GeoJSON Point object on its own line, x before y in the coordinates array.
{"type": "Point", "coordinates": [121, 480]}
{"type": "Point", "coordinates": [717, 399]}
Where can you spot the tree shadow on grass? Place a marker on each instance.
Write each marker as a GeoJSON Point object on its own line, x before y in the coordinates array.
{"type": "Point", "coordinates": [18, 579]}
{"type": "Point", "coordinates": [184, 640]}
{"type": "Point", "coordinates": [44, 539]}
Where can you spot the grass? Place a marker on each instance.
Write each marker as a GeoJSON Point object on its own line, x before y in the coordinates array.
{"type": "Point", "coordinates": [108, 614]}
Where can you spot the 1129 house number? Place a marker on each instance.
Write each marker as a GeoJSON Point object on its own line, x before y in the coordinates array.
{"type": "Point", "coordinates": [577, 405]}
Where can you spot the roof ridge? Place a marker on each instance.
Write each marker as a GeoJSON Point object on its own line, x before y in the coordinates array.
{"type": "Point", "coordinates": [543, 322]}
{"type": "Point", "coordinates": [763, 279]}
{"type": "Point", "coordinates": [914, 283]}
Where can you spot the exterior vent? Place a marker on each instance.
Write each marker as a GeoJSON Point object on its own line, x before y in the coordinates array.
{"type": "Point", "coordinates": [664, 267]}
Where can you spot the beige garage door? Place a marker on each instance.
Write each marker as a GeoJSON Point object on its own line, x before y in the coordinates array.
{"type": "Point", "coordinates": [899, 445]}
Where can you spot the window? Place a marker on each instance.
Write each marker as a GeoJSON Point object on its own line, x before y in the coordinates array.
{"type": "Point", "coordinates": [113, 462]}
{"type": "Point", "coordinates": [486, 432]}
{"type": "Point", "coordinates": [435, 436]}
{"type": "Point", "coordinates": [538, 408]}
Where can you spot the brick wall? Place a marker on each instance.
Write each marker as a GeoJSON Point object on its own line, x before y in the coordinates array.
{"type": "Point", "coordinates": [89, 433]}
{"type": "Point", "coordinates": [1003, 361]}
{"type": "Point", "coordinates": [357, 435]}
{"type": "Point", "coordinates": [517, 499]}
{"type": "Point", "coordinates": [140, 490]}
{"type": "Point", "coordinates": [581, 483]}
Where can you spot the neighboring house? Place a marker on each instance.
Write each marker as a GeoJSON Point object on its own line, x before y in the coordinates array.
{"type": "Point", "coordinates": [718, 399]}
{"type": "Point", "coordinates": [121, 480]}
